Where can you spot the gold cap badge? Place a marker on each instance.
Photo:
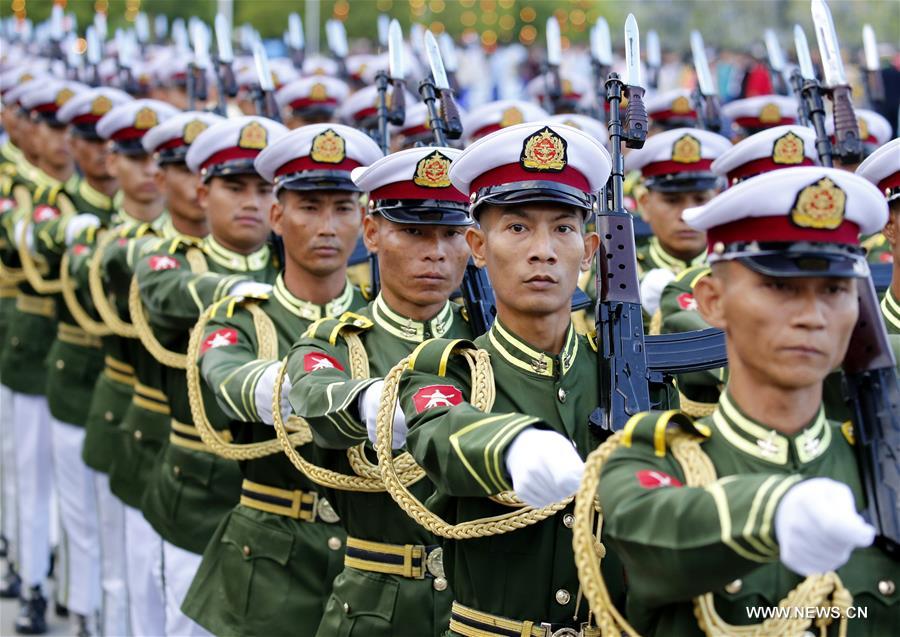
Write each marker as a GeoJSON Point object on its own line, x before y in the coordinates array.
{"type": "Point", "coordinates": [145, 118]}
{"type": "Point", "coordinates": [318, 92]}
{"type": "Point", "coordinates": [788, 150]}
{"type": "Point", "coordinates": [254, 136]}
{"type": "Point", "coordinates": [681, 105]}
{"type": "Point", "coordinates": [686, 150]}
{"type": "Point", "coordinates": [328, 148]}
{"type": "Point", "coordinates": [64, 96]}
{"type": "Point", "coordinates": [433, 171]}
{"type": "Point", "coordinates": [770, 114]}
{"type": "Point", "coordinates": [192, 129]}
{"type": "Point", "coordinates": [101, 105]}
{"type": "Point", "coordinates": [819, 206]}
{"type": "Point", "coordinates": [544, 151]}
{"type": "Point", "coordinates": [511, 116]}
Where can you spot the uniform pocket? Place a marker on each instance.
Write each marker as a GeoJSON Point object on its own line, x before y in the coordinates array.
{"type": "Point", "coordinates": [361, 605]}
{"type": "Point", "coordinates": [874, 581]}
{"type": "Point", "coordinates": [256, 581]}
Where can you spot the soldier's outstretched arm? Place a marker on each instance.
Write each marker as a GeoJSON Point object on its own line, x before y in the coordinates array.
{"type": "Point", "coordinates": [677, 541]}
{"type": "Point", "coordinates": [322, 389]}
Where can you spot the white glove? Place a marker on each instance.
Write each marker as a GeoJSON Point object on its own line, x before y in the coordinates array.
{"type": "Point", "coordinates": [265, 392]}
{"type": "Point", "coordinates": [652, 285]}
{"type": "Point", "coordinates": [544, 466]}
{"type": "Point", "coordinates": [252, 289]}
{"type": "Point", "coordinates": [369, 402]}
{"type": "Point", "coordinates": [80, 223]}
{"type": "Point", "coordinates": [818, 527]}
{"type": "Point", "coordinates": [29, 236]}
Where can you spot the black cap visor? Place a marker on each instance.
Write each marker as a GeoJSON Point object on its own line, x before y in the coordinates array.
{"type": "Point", "coordinates": [130, 147]}
{"type": "Point", "coordinates": [425, 212]}
{"type": "Point", "coordinates": [522, 192]}
{"type": "Point", "coordinates": [229, 168]}
{"type": "Point", "coordinates": [799, 260]}
{"type": "Point", "coordinates": [684, 182]}
{"type": "Point", "coordinates": [307, 180]}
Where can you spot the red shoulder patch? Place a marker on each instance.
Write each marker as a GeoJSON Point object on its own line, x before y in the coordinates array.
{"type": "Point", "coordinates": [44, 212]}
{"type": "Point", "coordinates": [164, 263]}
{"type": "Point", "coordinates": [886, 257]}
{"type": "Point", "coordinates": [220, 338]}
{"type": "Point", "coordinates": [652, 479]}
{"type": "Point", "coordinates": [686, 301]}
{"type": "Point", "coordinates": [314, 361]}
{"type": "Point", "coordinates": [79, 249]}
{"type": "Point", "coordinates": [122, 242]}
{"type": "Point", "coordinates": [6, 204]}
{"type": "Point", "coordinates": [433, 396]}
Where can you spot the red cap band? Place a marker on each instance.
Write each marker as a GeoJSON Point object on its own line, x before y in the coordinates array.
{"type": "Point", "coordinates": [764, 165]}
{"type": "Point", "coordinates": [229, 154]}
{"type": "Point", "coordinates": [511, 173]}
{"type": "Point", "coordinates": [755, 122]}
{"type": "Point", "coordinates": [779, 229]}
{"type": "Point", "coordinates": [303, 102]}
{"type": "Point", "coordinates": [308, 163]}
{"type": "Point", "coordinates": [891, 181]}
{"type": "Point", "coordinates": [661, 116]}
{"type": "Point", "coordinates": [127, 134]}
{"type": "Point", "coordinates": [409, 190]}
{"type": "Point", "coordinates": [674, 167]}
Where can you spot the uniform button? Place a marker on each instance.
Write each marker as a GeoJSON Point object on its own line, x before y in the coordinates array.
{"type": "Point", "coordinates": [440, 584]}
{"type": "Point", "coordinates": [334, 543]}
{"type": "Point", "coordinates": [346, 608]}
{"type": "Point", "coordinates": [138, 435]}
{"type": "Point", "coordinates": [60, 364]}
{"type": "Point", "coordinates": [734, 587]}
{"type": "Point", "coordinates": [561, 394]}
{"type": "Point", "coordinates": [108, 416]}
{"type": "Point", "coordinates": [568, 520]}
{"type": "Point", "coordinates": [15, 341]}
{"type": "Point", "coordinates": [246, 551]}
{"type": "Point", "coordinates": [563, 597]}
{"type": "Point", "coordinates": [887, 587]}
{"type": "Point", "coordinates": [176, 470]}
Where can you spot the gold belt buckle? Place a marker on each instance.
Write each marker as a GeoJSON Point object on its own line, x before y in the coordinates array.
{"type": "Point", "coordinates": [562, 632]}
{"type": "Point", "coordinates": [434, 562]}
{"type": "Point", "coordinates": [325, 511]}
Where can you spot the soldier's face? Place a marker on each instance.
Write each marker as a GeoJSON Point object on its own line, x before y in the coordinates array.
{"type": "Point", "coordinates": [420, 265]}
{"type": "Point", "coordinates": [53, 145]}
{"type": "Point", "coordinates": [789, 333]}
{"type": "Point", "coordinates": [179, 186]}
{"type": "Point", "coordinates": [136, 175]}
{"type": "Point", "coordinates": [534, 254]}
{"type": "Point", "coordinates": [892, 229]}
{"type": "Point", "coordinates": [237, 208]}
{"type": "Point", "coordinates": [662, 210]}
{"type": "Point", "coordinates": [319, 228]}
{"type": "Point", "coordinates": [90, 155]}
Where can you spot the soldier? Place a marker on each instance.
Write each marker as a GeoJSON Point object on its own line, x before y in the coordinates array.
{"type": "Point", "coordinates": [751, 115]}
{"type": "Point", "coordinates": [100, 267]}
{"type": "Point", "coordinates": [22, 364]}
{"type": "Point", "coordinates": [675, 167]}
{"type": "Point", "coordinates": [280, 516]}
{"type": "Point", "coordinates": [785, 486]}
{"type": "Point", "coordinates": [882, 168]}
{"type": "Point", "coordinates": [189, 489]}
{"type": "Point", "coordinates": [671, 109]}
{"type": "Point", "coordinates": [392, 582]}
{"type": "Point", "coordinates": [311, 100]}
{"type": "Point", "coordinates": [531, 189]}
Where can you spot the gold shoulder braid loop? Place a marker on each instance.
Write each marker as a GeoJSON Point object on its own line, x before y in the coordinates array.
{"type": "Point", "coordinates": [141, 324]}
{"type": "Point", "coordinates": [107, 312]}
{"type": "Point", "coordinates": [814, 591]}
{"type": "Point", "coordinates": [23, 202]}
{"type": "Point", "coordinates": [81, 316]}
{"type": "Point", "coordinates": [268, 350]}
{"type": "Point", "coordinates": [368, 477]}
{"type": "Point", "coordinates": [35, 268]}
{"type": "Point", "coordinates": [483, 395]}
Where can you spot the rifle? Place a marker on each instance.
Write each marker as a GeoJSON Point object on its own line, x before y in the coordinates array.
{"type": "Point", "coordinates": [874, 83]}
{"type": "Point", "coordinates": [226, 86]}
{"type": "Point", "coordinates": [337, 43]}
{"type": "Point", "coordinates": [706, 97]}
{"type": "Point", "coordinates": [654, 59]}
{"type": "Point", "coordinates": [550, 68]}
{"type": "Point", "coordinates": [198, 67]}
{"type": "Point", "coordinates": [777, 64]}
{"type": "Point", "coordinates": [601, 61]}
{"type": "Point", "coordinates": [871, 384]}
{"type": "Point", "coordinates": [295, 41]}
{"type": "Point", "coordinates": [264, 93]}
{"type": "Point", "coordinates": [160, 27]}
{"type": "Point", "coordinates": [628, 361]}
{"type": "Point", "coordinates": [448, 54]}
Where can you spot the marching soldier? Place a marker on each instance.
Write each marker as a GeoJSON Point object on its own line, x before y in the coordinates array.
{"type": "Point", "coordinates": [392, 582]}
{"type": "Point", "coordinates": [101, 265]}
{"type": "Point", "coordinates": [22, 364]}
{"type": "Point", "coordinates": [882, 168]}
{"type": "Point", "coordinates": [786, 486]}
{"type": "Point", "coordinates": [311, 100]}
{"type": "Point", "coordinates": [189, 489]}
{"type": "Point", "coordinates": [280, 517]}
{"type": "Point", "coordinates": [531, 188]}
{"type": "Point", "coordinates": [675, 167]}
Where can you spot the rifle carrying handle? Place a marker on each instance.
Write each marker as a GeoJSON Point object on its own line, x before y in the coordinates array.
{"type": "Point", "coordinates": [846, 131]}
{"type": "Point", "coordinates": [451, 114]}
{"type": "Point", "coordinates": [636, 122]}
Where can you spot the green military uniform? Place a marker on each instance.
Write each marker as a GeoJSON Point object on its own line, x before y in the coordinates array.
{"type": "Point", "coordinates": [890, 309]}
{"type": "Point", "coordinates": [653, 256]}
{"type": "Point", "coordinates": [527, 574]}
{"type": "Point", "coordinates": [190, 490]}
{"type": "Point", "coordinates": [679, 542]}
{"type": "Point", "coordinates": [369, 597]}
{"type": "Point", "coordinates": [282, 583]}
{"type": "Point", "coordinates": [878, 250]}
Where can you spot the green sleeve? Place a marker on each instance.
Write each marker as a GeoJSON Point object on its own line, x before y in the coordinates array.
{"type": "Point", "coordinates": [229, 363]}
{"type": "Point", "coordinates": [677, 541]}
{"type": "Point", "coordinates": [174, 296]}
{"type": "Point", "coordinates": [324, 393]}
{"type": "Point", "coordinates": [463, 450]}
{"type": "Point", "coordinates": [890, 309]}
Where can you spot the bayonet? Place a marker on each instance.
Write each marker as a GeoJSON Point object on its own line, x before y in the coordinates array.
{"type": "Point", "coordinates": [874, 83]}
{"type": "Point", "coordinates": [602, 45]}
{"type": "Point", "coordinates": [552, 82]}
{"type": "Point", "coordinates": [830, 52]}
{"type": "Point", "coordinates": [223, 40]}
{"type": "Point", "coordinates": [433, 54]}
{"type": "Point", "coordinates": [633, 75]}
{"type": "Point", "coordinates": [777, 63]}
{"type": "Point", "coordinates": [384, 23]}
{"type": "Point", "coordinates": [160, 27]}
{"type": "Point", "coordinates": [446, 122]}
{"type": "Point", "coordinates": [100, 26]}
{"type": "Point", "coordinates": [396, 67]}
{"type": "Point", "coordinates": [654, 57]}
{"type": "Point", "coordinates": [295, 40]}
{"type": "Point", "coordinates": [225, 83]}
{"type": "Point", "coordinates": [554, 42]}
{"type": "Point", "coordinates": [807, 72]}
{"type": "Point", "coordinates": [265, 100]}
{"type": "Point", "coordinates": [180, 37]}
{"type": "Point", "coordinates": [337, 42]}
{"type": "Point", "coordinates": [701, 65]}
{"type": "Point", "coordinates": [142, 28]}
{"type": "Point", "coordinates": [448, 54]}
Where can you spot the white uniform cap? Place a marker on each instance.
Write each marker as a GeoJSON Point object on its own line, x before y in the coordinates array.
{"type": "Point", "coordinates": [762, 111]}
{"type": "Point", "coordinates": [679, 159]}
{"type": "Point", "coordinates": [230, 146]}
{"type": "Point", "coordinates": [363, 104]}
{"type": "Point", "coordinates": [771, 149]}
{"type": "Point", "coordinates": [882, 168]}
{"type": "Point", "coordinates": [494, 116]}
{"type": "Point", "coordinates": [86, 108]}
{"type": "Point", "coordinates": [127, 123]}
{"type": "Point", "coordinates": [172, 138]}
{"type": "Point", "coordinates": [314, 93]}
{"type": "Point", "coordinates": [589, 125]}
{"type": "Point", "coordinates": [670, 107]}
{"type": "Point", "coordinates": [46, 97]}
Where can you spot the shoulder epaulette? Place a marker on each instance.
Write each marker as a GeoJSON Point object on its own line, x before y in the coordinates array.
{"type": "Point", "coordinates": [432, 356]}
{"type": "Point", "coordinates": [328, 329]}
{"type": "Point", "coordinates": [693, 274]}
{"type": "Point", "coordinates": [183, 243]}
{"type": "Point", "coordinates": [53, 194]}
{"type": "Point", "coordinates": [366, 292]}
{"type": "Point", "coordinates": [653, 427]}
{"type": "Point", "coordinates": [592, 340]}
{"type": "Point", "coordinates": [226, 307]}
{"type": "Point", "coordinates": [847, 431]}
